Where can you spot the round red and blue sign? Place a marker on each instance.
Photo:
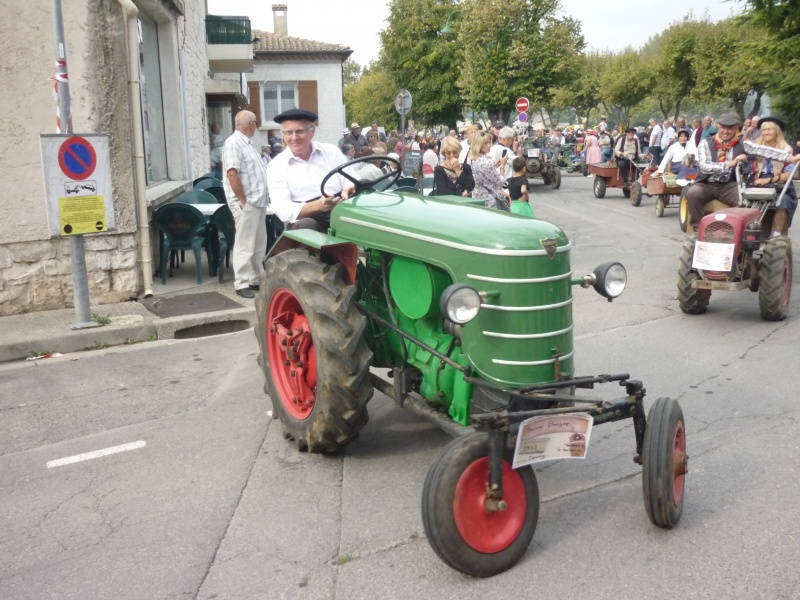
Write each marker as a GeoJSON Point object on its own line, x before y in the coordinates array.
{"type": "Point", "coordinates": [77, 158]}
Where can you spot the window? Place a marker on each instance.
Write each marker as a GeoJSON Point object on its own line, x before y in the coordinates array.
{"type": "Point", "coordinates": [279, 97]}
{"type": "Point", "coordinates": [155, 140]}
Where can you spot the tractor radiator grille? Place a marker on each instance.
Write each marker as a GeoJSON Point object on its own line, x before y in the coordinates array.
{"type": "Point", "coordinates": [718, 232]}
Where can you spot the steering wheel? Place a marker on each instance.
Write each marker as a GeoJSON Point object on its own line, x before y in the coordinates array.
{"type": "Point", "coordinates": [363, 184]}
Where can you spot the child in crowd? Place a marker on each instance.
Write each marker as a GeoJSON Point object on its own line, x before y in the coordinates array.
{"type": "Point", "coordinates": [518, 188]}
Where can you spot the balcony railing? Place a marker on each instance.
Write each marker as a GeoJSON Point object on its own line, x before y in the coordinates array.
{"type": "Point", "coordinates": [228, 30]}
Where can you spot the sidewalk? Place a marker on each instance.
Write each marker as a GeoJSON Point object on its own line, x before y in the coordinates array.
{"type": "Point", "coordinates": [34, 334]}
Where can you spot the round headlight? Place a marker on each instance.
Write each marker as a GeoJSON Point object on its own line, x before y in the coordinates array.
{"type": "Point", "coordinates": [460, 303]}
{"type": "Point", "coordinates": [611, 278]}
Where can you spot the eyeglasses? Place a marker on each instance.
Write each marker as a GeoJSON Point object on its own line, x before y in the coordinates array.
{"type": "Point", "coordinates": [295, 132]}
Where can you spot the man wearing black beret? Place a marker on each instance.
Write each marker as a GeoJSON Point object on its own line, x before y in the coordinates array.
{"type": "Point", "coordinates": [294, 176]}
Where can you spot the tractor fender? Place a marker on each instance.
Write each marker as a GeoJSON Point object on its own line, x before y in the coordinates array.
{"type": "Point", "coordinates": [344, 253]}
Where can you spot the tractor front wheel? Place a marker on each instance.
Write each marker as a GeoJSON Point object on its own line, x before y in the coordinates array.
{"type": "Point", "coordinates": [661, 204]}
{"type": "Point", "coordinates": [664, 463]}
{"type": "Point", "coordinates": [683, 210]}
{"type": "Point", "coordinates": [636, 193]}
{"type": "Point", "coordinates": [460, 528]}
{"type": "Point", "coordinates": [555, 179]}
{"type": "Point", "coordinates": [691, 300]}
{"type": "Point", "coordinates": [313, 351]}
{"type": "Point", "coordinates": [775, 279]}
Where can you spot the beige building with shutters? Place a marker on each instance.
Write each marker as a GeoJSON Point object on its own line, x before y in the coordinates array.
{"type": "Point", "coordinates": [290, 72]}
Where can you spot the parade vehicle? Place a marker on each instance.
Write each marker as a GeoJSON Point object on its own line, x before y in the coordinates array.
{"type": "Point", "coordinates": [733, 250]}
{"type": "Point", "coordinates": [470, 310]}
{"type": "Point", "coordinates": [539, 162]}
{"type": "Point", "coordinates": [653, 184]}
{"type": "Point", "coordinates": [609, 175]}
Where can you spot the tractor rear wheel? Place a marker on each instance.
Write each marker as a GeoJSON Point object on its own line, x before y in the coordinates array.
{"type": "Point", "coordinates": [555, 179]}
{"type": "Point", "coordinates": [313, 352]}
{"type": "Point", "coordinates": [599, 187]}
{"type": "Point", "coordinates": [691, 300]}
{"type": "Point", "coordinates": [460, 529]}
{"type": "Point", "coordinates": [775, 279]}
{"type": "Point", "coordinates": [636, 193]}
{"type": "Point", "coordinates": [664, 463]}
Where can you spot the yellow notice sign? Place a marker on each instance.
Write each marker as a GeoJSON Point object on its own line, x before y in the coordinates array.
{"type": "Point", "coordinates": [84, 214]}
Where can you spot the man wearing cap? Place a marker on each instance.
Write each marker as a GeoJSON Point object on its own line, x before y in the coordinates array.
{"type": "Point", "coordinates": [343, 139]}
{"type": "Point", "coordinates": [355, 138]}
{"type": "Point", "coordinates": [498, 125]}
{"type": "Point", "coordinates": [627, 151]}
{"type": "Point", "coordinates": [244, 179]}
{"type": "Point", "coordinates": [295, 175]}
{"type": "Point", "coordinates": [717, 158]}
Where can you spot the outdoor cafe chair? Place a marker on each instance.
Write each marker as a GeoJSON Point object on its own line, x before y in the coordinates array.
{"type": "Point", "coordinates": [182, 227]}
{"type": "Point", "coordinates": [207, 182]}
{"type": "Point", "coordinates": [222, 221]}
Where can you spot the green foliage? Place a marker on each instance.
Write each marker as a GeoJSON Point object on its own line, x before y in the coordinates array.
{"type": "Point", "coordinates": [673, 65]}
{"type": "Point", "coordinates": [780, 44]}
{"type": "Point", "coordinates": [417, 57]}
{"type": "Point", "coordinates": [582, 92]}
{"type": "Point", "coordinates": [351, 72]}
{"type": "Point", "coordinates": [526, 51]}
{"type": "Point", "coordinates": [101, 319]}
{"type": "Point", "coordinates": [627, 81]}
{"type": "Point", "coordinates": [372, 99]}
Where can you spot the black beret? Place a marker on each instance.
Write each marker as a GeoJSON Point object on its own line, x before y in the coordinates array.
{"type": "Point", "coordinates": [296, 114]}
{"type": "Point", "coordinates": [630, 130]}
{"type": "Point", "coordinates": [775, 120]}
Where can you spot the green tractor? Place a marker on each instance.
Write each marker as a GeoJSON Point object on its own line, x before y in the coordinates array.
{"type": "Point", "coordinates": [470, 309]}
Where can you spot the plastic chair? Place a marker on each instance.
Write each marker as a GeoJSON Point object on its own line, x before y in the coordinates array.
{"type": "Point", "coordinates": [207, 182]}
{"type": "Point", "coordinates": [218, 192]}
{"type": "Point", "coordinates": [183, 227]}
{"type": "Point", "coordinates": [196, 197]}
{"type": "Point", "coordinates": [222, 220]}
{"type": "Point", "coordinates": [210, 175]}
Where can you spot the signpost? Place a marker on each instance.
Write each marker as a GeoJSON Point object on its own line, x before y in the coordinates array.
{"type": "Point", "coordinates": [402, 104]}
{"type": "Point", "coordinates": [522, 104]}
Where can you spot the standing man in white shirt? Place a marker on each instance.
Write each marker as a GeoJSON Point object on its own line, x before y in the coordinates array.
{"type": "Point", "coordinates": [295, 175]}
{"type": "Point", "coordinates": [245, 183]}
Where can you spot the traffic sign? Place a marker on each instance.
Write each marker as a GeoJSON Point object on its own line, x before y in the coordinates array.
{"type": "Point", "coordinates": [523, 117]}
{"type": "Point", "coordinates": [402, 102]}
{"type": "Point", "coordinates": [77, 158]}
{"type": "Point", "coordinates": [522, 104]}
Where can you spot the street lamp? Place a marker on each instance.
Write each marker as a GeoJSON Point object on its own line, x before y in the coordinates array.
{"type": "Point", "coordinates": [447, 30]}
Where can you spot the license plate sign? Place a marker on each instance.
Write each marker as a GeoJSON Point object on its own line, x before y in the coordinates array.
{"type": "Point", "coordinates": [709, 256]}
{"type": "Point", "coordinates": [550, 437]}
{"type": "Point", "coordinates": [533, 152]}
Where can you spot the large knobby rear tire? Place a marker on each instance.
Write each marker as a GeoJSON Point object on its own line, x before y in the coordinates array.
{"type": "Point", "coordinates": [775, 279]}
{"type": "Point", "coordinates": [313, 352]}
{"type": "Point", "coordinates": [664, 463]}
{"type": "Point", "coordinates": [599, 187]}
{"type": "Point", "coordinates": [459, 528]}
{"type": "Point", "coordinates": [691, 300]}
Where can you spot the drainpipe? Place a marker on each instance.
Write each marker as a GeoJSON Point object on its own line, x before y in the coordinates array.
{"type": "Point", "coordinates": [139, 180]}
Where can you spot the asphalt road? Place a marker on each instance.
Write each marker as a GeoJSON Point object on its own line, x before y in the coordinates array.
{"type": "Point", "coordinates": [211, 502]}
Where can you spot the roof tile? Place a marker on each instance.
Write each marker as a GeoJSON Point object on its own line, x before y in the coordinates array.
{"type": "Point", "coordinates": [267, 41]}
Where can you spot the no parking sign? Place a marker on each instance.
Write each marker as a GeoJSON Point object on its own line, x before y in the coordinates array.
{"type": "Point", "coordinates": [77, 184]}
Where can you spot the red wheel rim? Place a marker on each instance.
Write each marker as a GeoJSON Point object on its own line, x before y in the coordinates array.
{"type": "Point", "coordinates": [292, 359]}
{"type": "Point", "coordinates": [678, 463]}
{"type": "Point", "coordinates": [483, 530]}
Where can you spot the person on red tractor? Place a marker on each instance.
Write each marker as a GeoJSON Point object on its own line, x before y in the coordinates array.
{"type": "Point", "coordinates": [770, 160]}
{"type": "Point", "coordinates": [717, 158]}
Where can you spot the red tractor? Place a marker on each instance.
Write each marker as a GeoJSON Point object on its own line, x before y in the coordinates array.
{"type": "Point", "coordinates": [733, 249]}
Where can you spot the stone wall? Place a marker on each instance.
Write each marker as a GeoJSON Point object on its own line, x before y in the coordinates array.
{"type": "Point", "coordinates": [38, 275]}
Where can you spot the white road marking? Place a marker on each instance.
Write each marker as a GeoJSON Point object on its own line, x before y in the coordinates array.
{"type": "Point", "coordinates": [96, 454]}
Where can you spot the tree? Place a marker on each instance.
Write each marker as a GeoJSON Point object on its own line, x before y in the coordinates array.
{"type": "Point", "coordinates": [780, 44]}
{"type": "Point", "coordinates": [731, 65]}
{"type": "Point", "coordinates": [351, 72]}
{"type": "Point", "coordinates": [626, 82]}
{"type": "Point", "coordinates": [673, 64]}
{"type": "Point", "coordinates": [420, 59]}
{"type": "Point", "coordinates": [527, 51]}
{"type": "Point", "coordinates": [372, 98]}
{"type": "Point", "coordinates": [582, 93]}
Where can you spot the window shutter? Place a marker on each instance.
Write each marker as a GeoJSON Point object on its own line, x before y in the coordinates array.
{"type": "Point", "coordinates": [254, 89]}
{"type": "Point", "coordinates": [307, 92]}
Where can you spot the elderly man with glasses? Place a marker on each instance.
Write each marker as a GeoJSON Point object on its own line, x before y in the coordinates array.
{"type": "Point", "coordinates": [295, 175]}
{"type": "Point", "coordinates": [244, 178]}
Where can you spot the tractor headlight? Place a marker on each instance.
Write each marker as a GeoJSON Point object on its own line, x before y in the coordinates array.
{"type": "Point", "coordinates": [460, 303]}
{"type": "Point", "coordinates": [610, 279]}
